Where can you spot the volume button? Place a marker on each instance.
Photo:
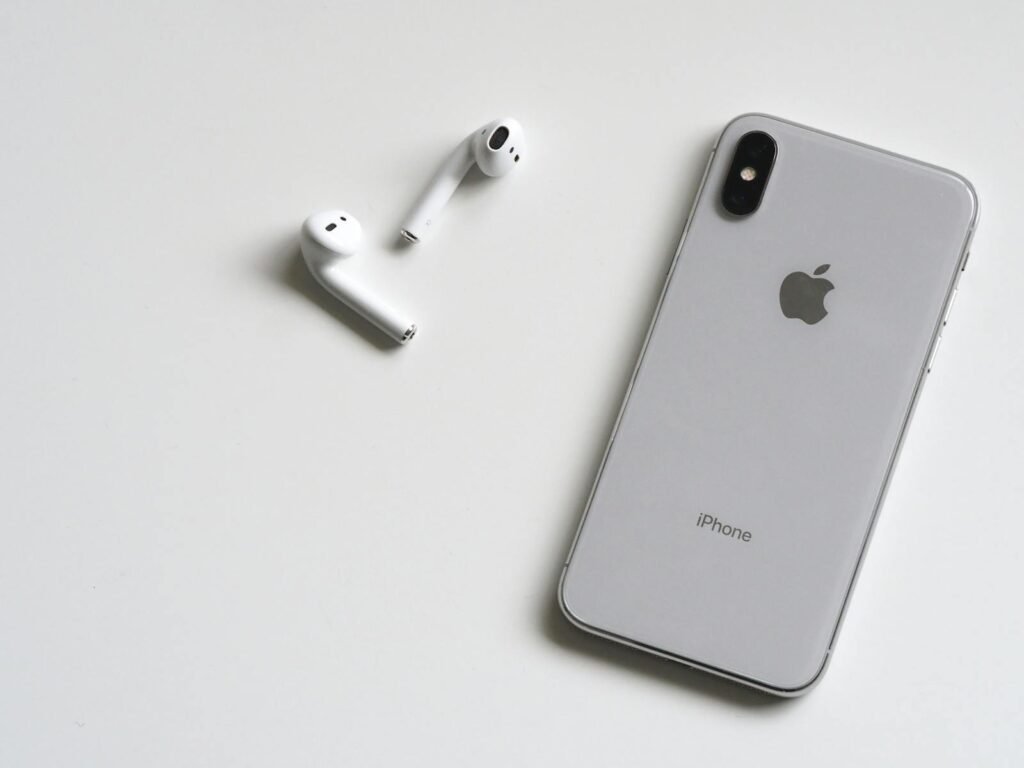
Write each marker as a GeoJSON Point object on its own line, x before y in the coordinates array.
{"type": "Point", "coordinates": [949, 309]}
{"type": "Point", "coordinates": [934, 354]}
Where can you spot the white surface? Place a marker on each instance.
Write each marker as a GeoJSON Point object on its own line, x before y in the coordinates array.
{"type": "Point", "coordinates": [235, 531]}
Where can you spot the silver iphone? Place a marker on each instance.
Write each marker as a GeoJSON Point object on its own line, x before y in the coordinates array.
{"type": "Point", "coordinates": [751, 455]}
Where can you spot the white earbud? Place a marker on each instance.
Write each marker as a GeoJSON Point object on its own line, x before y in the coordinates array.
{"type": "Point", "coordinates": [330, 237]}
{"type": "Point", "coordinates": [496, 148]}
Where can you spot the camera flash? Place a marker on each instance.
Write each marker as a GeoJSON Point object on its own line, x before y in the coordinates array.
{"type": "Point", "coordinates": [748, 174]}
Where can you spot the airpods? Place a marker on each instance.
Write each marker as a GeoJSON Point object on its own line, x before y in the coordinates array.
{"type": "Point", "coordinates": [497, 148]}
{"type": "Point", "coordinates": [328, 239]}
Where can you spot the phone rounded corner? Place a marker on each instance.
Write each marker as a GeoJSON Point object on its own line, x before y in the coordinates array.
{"type": "Point", "coordinates": [972, 197]}
{"type": "Point", "coordinates": [967, 192]}
{"type": "Point", "coordinates": [796, 690]}
{"type": "Point", "coordinates": [572, 615]}
{"type": "Point", "coordinates": [563, 601]}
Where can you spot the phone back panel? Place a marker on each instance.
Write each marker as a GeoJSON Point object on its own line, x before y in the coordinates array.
{"type": "Point", "coordinates": [784, 431]}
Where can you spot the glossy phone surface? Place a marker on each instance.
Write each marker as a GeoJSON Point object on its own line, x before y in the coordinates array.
{"type": "Point", "coordinates": [738, 492]}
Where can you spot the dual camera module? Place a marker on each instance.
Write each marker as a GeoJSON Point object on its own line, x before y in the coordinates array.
{"type": "Point", "coordinates": [748, 175]}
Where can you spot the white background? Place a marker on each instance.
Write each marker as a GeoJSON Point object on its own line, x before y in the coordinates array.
{"type": "Point", "coordinates": [236, 529]}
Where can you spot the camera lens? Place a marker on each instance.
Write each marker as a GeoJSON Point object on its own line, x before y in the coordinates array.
{"type": "Point", "coordinates": [757, 146]}
{"type": "Point", "coordinates": [748, 173]}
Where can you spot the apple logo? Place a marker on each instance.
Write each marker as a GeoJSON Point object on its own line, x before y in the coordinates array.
{"type": "Point", "coordinates": [803, 296]}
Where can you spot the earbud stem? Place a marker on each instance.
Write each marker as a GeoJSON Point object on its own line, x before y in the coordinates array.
{"type": "Point", "coordinates": [442, 186]}
{"type": "Point", "coordinates": [366, 303]}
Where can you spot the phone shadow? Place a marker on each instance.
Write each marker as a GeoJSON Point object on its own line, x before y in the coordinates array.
{"type": "Point", "coordinates": [557, 629]}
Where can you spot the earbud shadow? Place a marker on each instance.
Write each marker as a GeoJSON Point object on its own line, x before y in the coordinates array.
{"type": "Point", "coordinates": [294, 274]}
{"type": "Point", "coordinates": [556, 627]}
{"type": "Point", "coordinates": [400, 245]}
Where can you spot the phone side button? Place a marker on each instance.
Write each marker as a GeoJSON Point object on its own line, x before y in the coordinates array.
{"type": "Point", "coordinates": [949, 309]}
{"type": "Point", "coordinates": [934, 354]}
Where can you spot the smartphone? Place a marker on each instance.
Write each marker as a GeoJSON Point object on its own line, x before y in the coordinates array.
{"type": "Point", "coordinates": [798, 322]}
